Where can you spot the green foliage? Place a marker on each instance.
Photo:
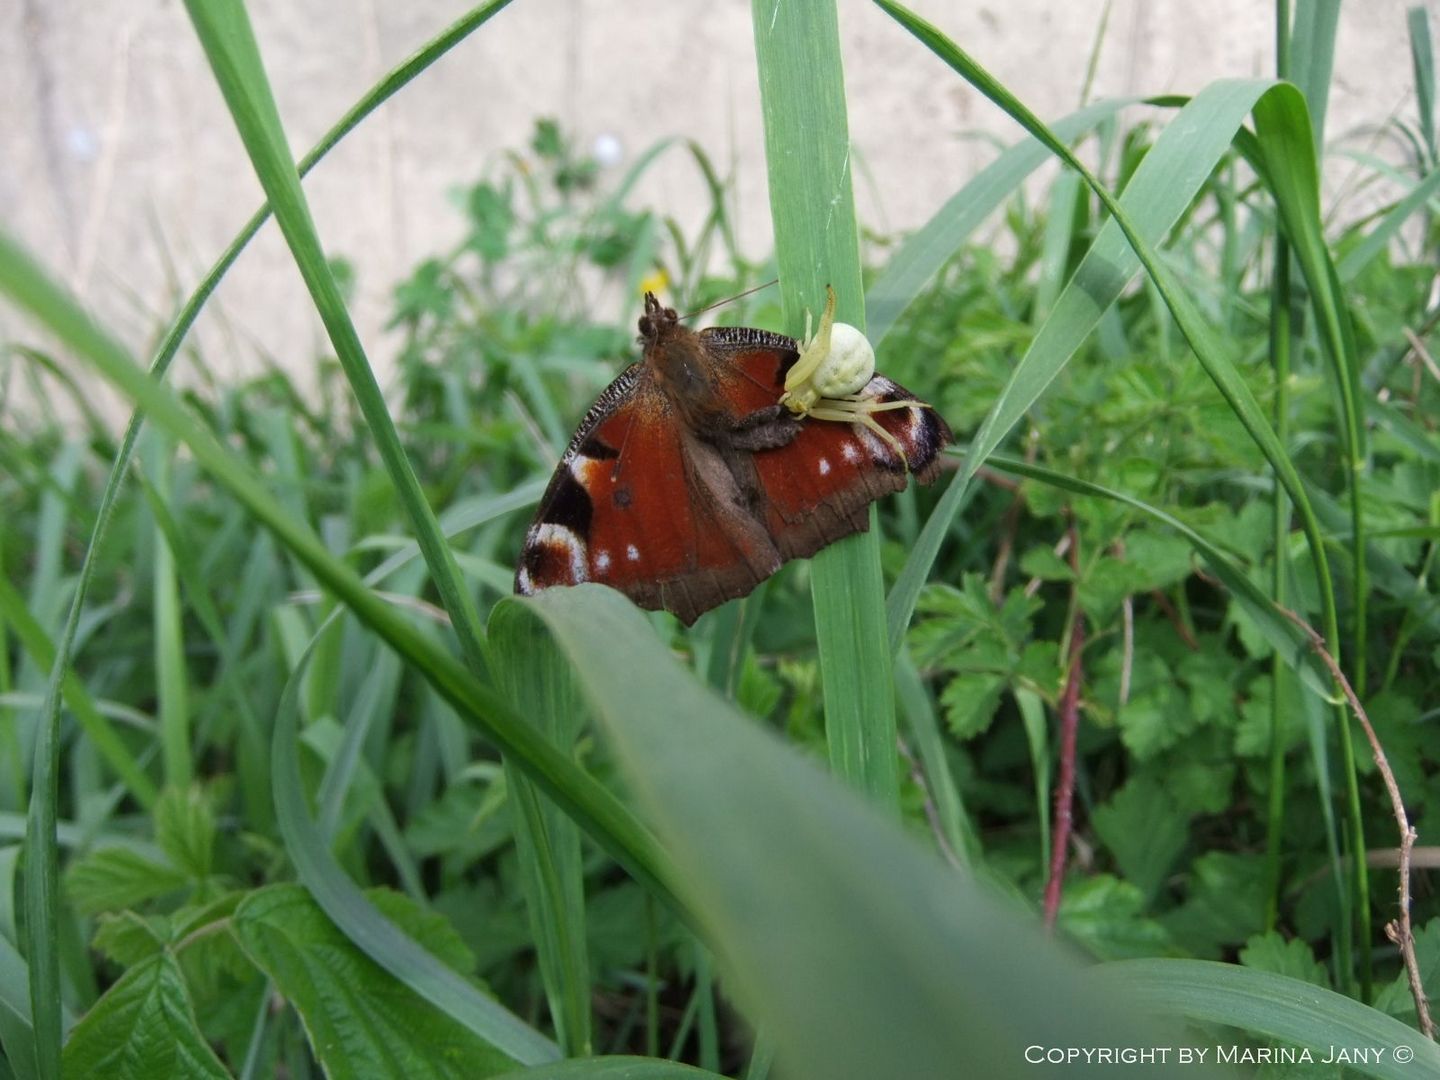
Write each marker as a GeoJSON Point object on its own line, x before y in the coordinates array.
{"type": "Point", "coordinates": [143, 1027]}
{"type": "Point", "coordinates": [298, 834]}
{"type": "Point", "coordinates": [360, 1022]}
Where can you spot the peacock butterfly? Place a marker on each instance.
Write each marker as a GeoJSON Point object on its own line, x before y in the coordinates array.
{"type": "Point", "coordinates": [701, 468]}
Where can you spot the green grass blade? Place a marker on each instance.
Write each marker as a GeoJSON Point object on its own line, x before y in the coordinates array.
{"type": "Point", "coordinates": [43, 856]}
{"type": "Point", "coordinates": [1378, 239]}
{"type": "Point", "coordinates": [597, 811]}
{"type": "Point", "coordinates": [99, 730]}
{"type": "Point", "coordinates": [861, 953]}
{"type": "Point", "coordinates": [375, 935]}
{"type": "Point", "coordinates": [255, 782]}
{"type": "Point", "coordinates": [1312, 58]}
{"type": "Point", "coordinates": [953, 823]}
{"type": "Point", "coordinates": [1294, 1012]}
{"type": "Point", "coordinates": [225, 32]}
{"type": "Point", "coordinates": [1422, 58]}
{"type": "Point", "coordinates": [807, 154]}
{"type": "Point", "coordinates": [932, 245]}
{"type": "Point", "coordinates": [539, 683]}
{"type": "Point", "coordinates": [171, 685]}
{"type": "Point", "coordinates": [1160, 191]}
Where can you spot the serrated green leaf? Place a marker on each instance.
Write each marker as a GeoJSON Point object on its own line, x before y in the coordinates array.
{"type": "Point", "coordinates": [970, 701]}
{"type": "Point", "coordinates": [119, 877]}
{"type": "Point", "coordinates": [143, 1028]}
{"type": "Point", "coordinates": [1105, 915]}
{"type": "Point", "coordinates": [362, 1022]}
{"type": "Point", "coordinates": [127, 937]}
{"type": "Point", "coordinates": [1153, 720]}
{"type": "Point", "coordinates": [1293, 958]}
{"type": "Point", "coordinates": [185, 830]}
{"type": "Point", "coordinates": [1145, 831]}
{"type": "Point", "coordinates": [1158, 560]}
{"type": "Point", "coordinates": [1042, 562]}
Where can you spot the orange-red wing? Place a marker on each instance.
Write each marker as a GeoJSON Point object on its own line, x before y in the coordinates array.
{"type": "Point", "coordinates": [818, 487]}
{"type": "Point", "coordinates": [631, 506]}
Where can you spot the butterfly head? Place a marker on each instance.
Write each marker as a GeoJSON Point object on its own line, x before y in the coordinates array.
{"type": "Point", "coordinates": [657, 320]}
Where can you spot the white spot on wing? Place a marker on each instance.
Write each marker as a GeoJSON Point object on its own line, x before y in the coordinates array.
{"type": "Point", "coordinates": [581, 467]}
{"type": "Point", "coordinates": [547, 532]}
{"type": "Point", "coordinates": [824, 466]}
{"type": "Point", "coordinates": [878, 450]}
{"type": "Point", "coordinates": [522, 582]}
{"type": "Point", "coordinates": [602, 560]}
{"type": "Point", "coordinates": [850, 452]}
{"type": "Point", "coordinates": [632, 553]}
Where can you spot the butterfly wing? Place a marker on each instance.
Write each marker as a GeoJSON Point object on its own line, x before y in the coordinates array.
{"type": "Point", "coordinates": [639, 504]}
{"type": "Point", "coordinates": [818, 488]}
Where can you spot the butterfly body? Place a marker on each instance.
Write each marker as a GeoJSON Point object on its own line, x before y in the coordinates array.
{"type": "Point", "coordinates": [687, 483]}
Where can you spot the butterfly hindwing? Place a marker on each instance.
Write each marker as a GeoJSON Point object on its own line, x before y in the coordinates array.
{"type": "Point", "coordinates": [818, 487]}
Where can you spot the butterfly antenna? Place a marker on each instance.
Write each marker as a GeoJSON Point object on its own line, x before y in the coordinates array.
{"type": "Point", "coordinates": [730, 299]}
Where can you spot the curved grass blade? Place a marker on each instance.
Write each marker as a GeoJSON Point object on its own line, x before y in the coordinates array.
{"type": "Point", "coordinates": [538, 681]}
{"type": "Point", "coordinates": [861, 953]}
{"type": "Point", "coordinates": [1286, 152]}
{"type": "Point", "coordinates": [43, 857]}
{"type": "Point", "coordinates": [1279, 1007]}
{"type": "Point", "coordinates": [348, 907]}
{"type": "Point", "coordinates": [1282, 634]}
{"type": "Point", "coordinates": [1378, 239]}
{"type": "Point", "coordinates": [225, 33]}
{"type": "Point", "coordinates": [71, 690]}
{"type": "Point", "coordinates": [1183, 156]}
{"type": "Point", "coordinates": [613, 1068]}
{"type": "Point", "coordinates": [807, 155]}
{"type": "Point", "coordinates": [597, 811]}
{"type": "Point", "coordinates": [932, 245]}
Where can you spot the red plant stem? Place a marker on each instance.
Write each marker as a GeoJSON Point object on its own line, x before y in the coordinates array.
{"type": "Point", "coordinates": [1065, 785]}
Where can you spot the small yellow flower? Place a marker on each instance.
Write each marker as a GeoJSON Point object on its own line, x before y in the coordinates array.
{"type": "Point", "coordinates": [655, 281]}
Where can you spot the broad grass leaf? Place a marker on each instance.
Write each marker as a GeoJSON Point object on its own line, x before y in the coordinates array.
{"type": "Point", "coordinates": [1276, 1006]}
{"type": "Point", "coordinates": [859, 951]}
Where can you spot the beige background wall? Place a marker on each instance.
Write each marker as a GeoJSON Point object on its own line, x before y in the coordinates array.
{"type": "Point", "coordinates": [120, 168]}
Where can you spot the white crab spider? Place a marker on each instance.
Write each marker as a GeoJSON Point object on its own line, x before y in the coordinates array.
{"type": "Point", "coordinates": [834, 367]}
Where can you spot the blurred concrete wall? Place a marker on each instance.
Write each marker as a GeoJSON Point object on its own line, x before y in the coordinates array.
{"type": "Point", "coordinates": [120, 168]}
